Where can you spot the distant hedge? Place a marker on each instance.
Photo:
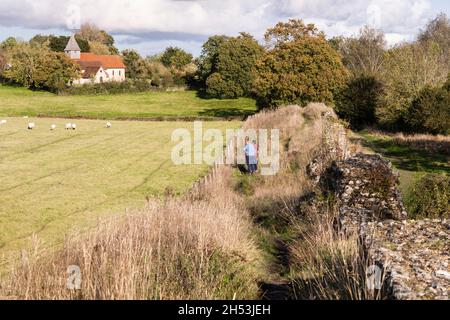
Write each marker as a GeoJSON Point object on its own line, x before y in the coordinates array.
{"type": "Point", "coordinates": [114, 87]}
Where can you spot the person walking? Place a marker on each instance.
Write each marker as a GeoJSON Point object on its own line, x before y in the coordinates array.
{"type": "Point", "coordinates": [250, 156]}
{"type": "Point", "coordinates": [257, 155]}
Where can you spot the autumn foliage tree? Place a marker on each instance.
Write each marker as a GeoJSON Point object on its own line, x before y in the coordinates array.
{"type": "Point", "coordinates": [2, 62]}
{"type": "Point", "coordinates": [39, 68]}
{"type": "Point", "coordinates": [298, 67]}
{"type": "Point", "coordinates": [100, 42]}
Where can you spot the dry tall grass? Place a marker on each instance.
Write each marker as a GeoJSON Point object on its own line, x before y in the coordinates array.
{"type": "Point", "coordinates": [300, 137]}
{"type": "Point", "coordinates": [435, 144]}
{"type": "Point", "coordinates": [175, 249]}
{"type": "Point", "coordinates": [322, 263]}
{"type": "Point", "coordinates": [326, 264]}
{"type": "Point", "coordinates": [428, 142]}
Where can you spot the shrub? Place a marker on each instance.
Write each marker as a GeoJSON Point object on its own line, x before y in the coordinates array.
{"type": "Point", "coordinates": [113, 87]}
{"type": "Point", "coordinates": [429, 197]}
{"type": "Point", "coordinates": [430, 111]}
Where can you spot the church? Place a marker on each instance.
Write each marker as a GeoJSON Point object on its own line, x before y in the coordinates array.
{"type": "Point", "coordinates": [95, 68]}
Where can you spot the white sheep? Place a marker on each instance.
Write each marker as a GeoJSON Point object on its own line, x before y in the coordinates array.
{"type": "Point", "coordinates": [108, 124]}
{"type": "Point", "coordinates": [53, 127]}
{"type": "Point", "coordinates": [74, 126]}
{"type": "Point", "coordinates": [31, 126]}
{"type": "Point", "coordinates": [3, 122]}
{"type": "Point", "coordinates": [68, 126]}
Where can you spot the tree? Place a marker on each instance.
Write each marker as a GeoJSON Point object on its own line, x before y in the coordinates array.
{"type": "Point", "coordinates": [99, 48]}
{"type": "Point", "coordinates": [299, 67]}
{"type": "Point", "coordinates": [408, 69]}
{"type": "Point", "coordinates": [59, 43]}
{"type": "Point", "coordinates": [438, 31]}
{"type": "Point", "coordinates": [207, 63]}
{"type": "Point", "coordinates": [40, 40]}
{"type": "Point", "coordinates": [134, 63]}
{"type": "Point", "coordinates": [174, 57]}
{"type": "Point", "coordinates": [159, 74]}
{"type": "Point", "coordinates": [358, 101]}
{"type": "Point", "coordinates": [9, 43]}
{"type": "Point", "coordinates": [364, 55]}
{"type": "Point", "coordinates": [235, 63]}
{"type": "Point", "coordinates": [2, 62]}
{"type": "Point", "coordinates": [98, 39]}
{"type": "Point", "coordinates": [39, 68]}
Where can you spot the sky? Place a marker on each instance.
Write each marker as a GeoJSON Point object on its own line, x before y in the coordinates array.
{"type": "Point", "coordinates": [149, 26]}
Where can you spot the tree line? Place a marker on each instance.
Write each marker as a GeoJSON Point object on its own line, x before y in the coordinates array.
{"type": "Point", "coordinates": [405, 87]}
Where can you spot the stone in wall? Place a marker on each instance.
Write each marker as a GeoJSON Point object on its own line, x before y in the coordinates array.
{"type": "Point", "coordinates": [414, 255]}
{"type": "Point", "coordinates": [365, 188]}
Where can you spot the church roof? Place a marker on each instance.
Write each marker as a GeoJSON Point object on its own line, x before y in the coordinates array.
{"type": "Point", "coordinates": [72, 45]}
{"type": "Point", "coordinates": [107, 62]}
{"type": "Point", "coordinates": [90, 68]}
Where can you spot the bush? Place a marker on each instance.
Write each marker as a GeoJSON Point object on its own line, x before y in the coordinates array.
{"type": "Point", "coordinates": [430, 111]}
{"type": "Point", "coordinates": [430, 196]}
{"type": "Point", "coordinates": [114, 87]}
{"type": "Point", "coordinates": [358, 101]}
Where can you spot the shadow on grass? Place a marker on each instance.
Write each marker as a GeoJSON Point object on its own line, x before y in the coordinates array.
{"type": "Point", "coordinates": [407, 158]}
{"type": "Point", "coordinates": [227, 113]}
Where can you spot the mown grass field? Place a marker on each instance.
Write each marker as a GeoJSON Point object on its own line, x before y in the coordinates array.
{"type": "Point", "coordinates": [55, 182]}
{"type": "Point", "coordinates": [150, 105]}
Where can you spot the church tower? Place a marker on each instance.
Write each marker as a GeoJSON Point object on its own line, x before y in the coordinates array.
{"type": "Point", "coordinates": [72, 49]}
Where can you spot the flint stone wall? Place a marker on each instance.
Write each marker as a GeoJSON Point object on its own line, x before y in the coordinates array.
{"type": "Point", "coordinates": [414, 255]}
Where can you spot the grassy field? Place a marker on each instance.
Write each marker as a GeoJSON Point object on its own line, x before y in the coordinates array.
{"type": "Point", "coordinates": [151, 105]}
{"type": "Point", "coordinates": [54, 182]}
{"type": "Point", "coordinates": [412, 163]}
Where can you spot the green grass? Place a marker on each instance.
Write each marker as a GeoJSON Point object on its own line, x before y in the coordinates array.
{"type": "Point", "coordinates": [411, 163]}
{"type": "Point", "coordinates": [57, 182]}
{"type": "Point", "coordinates": [16, 101]}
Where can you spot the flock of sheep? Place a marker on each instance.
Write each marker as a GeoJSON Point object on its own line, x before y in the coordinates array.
{"type": "Point", "coordinates": [69, 126]}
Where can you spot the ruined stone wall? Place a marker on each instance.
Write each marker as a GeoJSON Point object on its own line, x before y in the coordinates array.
{"type": "Point", "coordinates": [413, 255]}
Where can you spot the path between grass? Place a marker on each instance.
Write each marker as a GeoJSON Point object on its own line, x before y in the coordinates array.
{"type": "Point", "coordinates": [411, 163]}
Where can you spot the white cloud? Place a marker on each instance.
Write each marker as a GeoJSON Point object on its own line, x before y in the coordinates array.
{"type": "Point", "coordinates": [193, 20]}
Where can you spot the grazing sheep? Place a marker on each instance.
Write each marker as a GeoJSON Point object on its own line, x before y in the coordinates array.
{"type": "Point", "coordinates": [68, 126]}
{"type": "Point", "coordinates": [74, 126]}
{"type": "Point", "coordinates": [108, 124]}
{"type": "Point", "coordinates": [3, 122]}
{"type": "Point", "coordinates": [31, 126]}
{"type": "Point", "coordinates": [53, 127]}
